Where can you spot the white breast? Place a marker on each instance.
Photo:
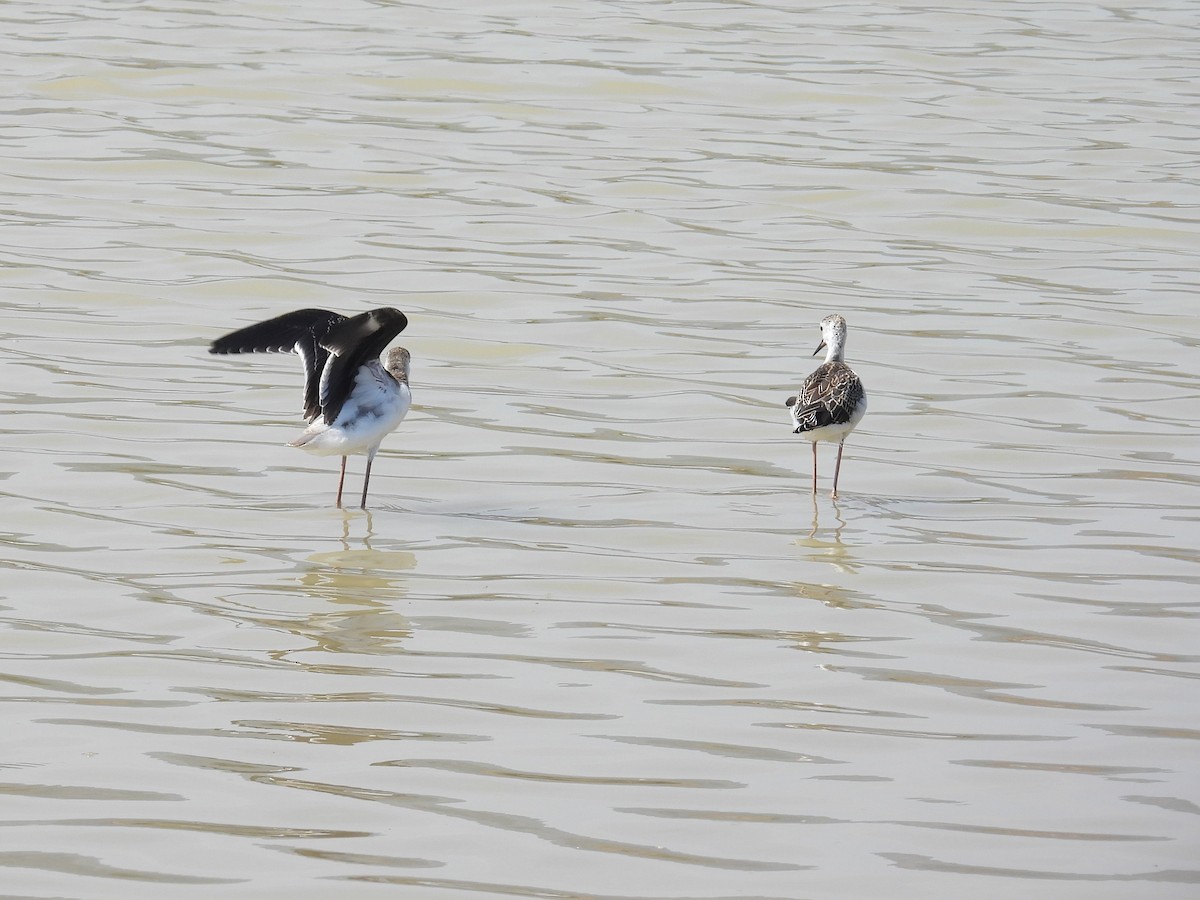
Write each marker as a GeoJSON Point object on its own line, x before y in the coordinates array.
{"type": "Point", "coordinates": [375, 407]}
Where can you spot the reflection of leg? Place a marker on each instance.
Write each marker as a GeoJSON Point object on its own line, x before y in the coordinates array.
{"type": "Point", "coordinates": [814, 443]}
{"type": "Point", "coordinates": [341, 481]}
{"type": "Point", "coordinates": [367, 477]}
{"type": "Point", "coordinates": [837, 469]}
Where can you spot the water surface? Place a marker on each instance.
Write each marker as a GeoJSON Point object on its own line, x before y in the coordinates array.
{"type": "Point", "coordinates": [595, 638]}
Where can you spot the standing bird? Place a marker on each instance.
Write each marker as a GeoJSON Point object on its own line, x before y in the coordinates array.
{"type": "Point", "coordinates": [351, 401]}
{"type": "Point", "coordinates": [831, 400]}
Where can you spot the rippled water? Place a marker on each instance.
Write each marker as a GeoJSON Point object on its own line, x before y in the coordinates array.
{"type": "Point", "coordinates": [595, 638]}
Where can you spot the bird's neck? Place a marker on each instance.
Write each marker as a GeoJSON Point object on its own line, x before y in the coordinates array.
{"type": "Point", "coordinates": [400, 373]}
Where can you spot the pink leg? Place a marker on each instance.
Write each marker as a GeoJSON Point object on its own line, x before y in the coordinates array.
{"type": "Point", "coordinates": [836, 469]}
{"type": "Point", "coordinates": [341, 481]}
{"type": "Point", "coordinates": [367, 478]}
{"type": "Point", "coordinates": [814, 443]}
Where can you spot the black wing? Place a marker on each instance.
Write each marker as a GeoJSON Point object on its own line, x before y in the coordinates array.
{"type": "Point", "coordinates": [299, 332]}
{"type": "Point", "coordinates": [353, 342]}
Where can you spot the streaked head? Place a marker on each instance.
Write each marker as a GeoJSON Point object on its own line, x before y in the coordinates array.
{"type": "Point", "coordinates": [833, 336]}
{"type": "Point", "coordinates": [398, 362]}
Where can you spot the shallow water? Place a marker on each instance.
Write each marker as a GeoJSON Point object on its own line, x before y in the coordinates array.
{"type": "Point", "coordinates": [595, 638]}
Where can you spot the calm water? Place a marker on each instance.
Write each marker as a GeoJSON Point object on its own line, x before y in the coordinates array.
{"type": "Point", "coordinates": [595, 639]}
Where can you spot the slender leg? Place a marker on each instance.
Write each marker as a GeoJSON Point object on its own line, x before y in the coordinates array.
{"type": "Point", "coordinates": [814, 443]}
{"type": "Point", "coordinates": [341, 481]}
{"type": "Point", "coordinates": [837, 468]}
{"type": "Point", "coordinates": [367, 477]}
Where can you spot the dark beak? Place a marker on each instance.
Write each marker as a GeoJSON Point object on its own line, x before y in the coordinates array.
{"type": "Point", "coordinates": [820, 347]}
